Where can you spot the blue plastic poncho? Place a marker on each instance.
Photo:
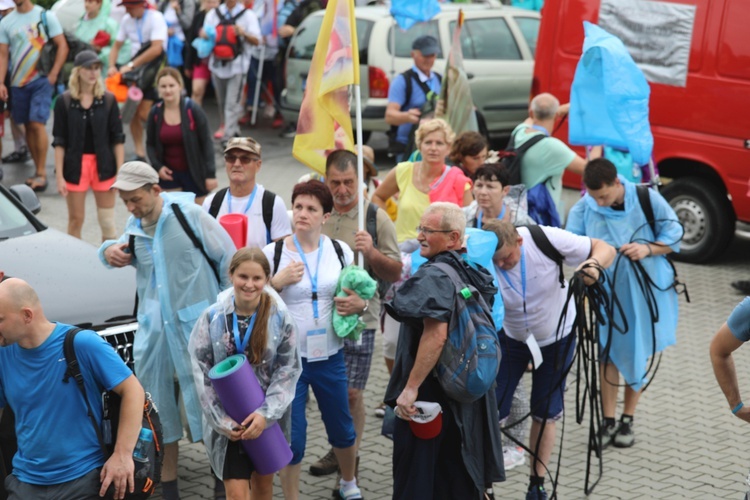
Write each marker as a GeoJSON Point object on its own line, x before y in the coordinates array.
{"type": "Point", "coordinates": [630, 351]}
{"type": "Point", "coordinates": [175, 285]}
{"type": "Point", "coordinates": [205, 47]}
{"type": "Point", "coordinates": [407, 13]}
{"type": "Point", "coordinates": [609, 97]}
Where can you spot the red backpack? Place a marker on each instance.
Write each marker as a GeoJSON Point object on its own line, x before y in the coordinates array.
{"type": "Point", "coordinates": [228, 42]}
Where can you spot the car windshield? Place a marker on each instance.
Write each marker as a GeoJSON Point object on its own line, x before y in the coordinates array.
{"type": "Point", "coordinates": [13, 222]}
{"type": "Point", "coordinates": [307, 36]}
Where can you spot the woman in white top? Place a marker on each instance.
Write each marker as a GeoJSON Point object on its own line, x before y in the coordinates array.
{"type": "Point", "coordinates": [306, 270]}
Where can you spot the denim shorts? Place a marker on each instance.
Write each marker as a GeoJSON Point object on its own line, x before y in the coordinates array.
{"type": "Point", "coordinates": [32, 102]}
{"type": "Point", "coordinates": [547, 381]}
{"type": "Point", "coordinates": [328, 381]}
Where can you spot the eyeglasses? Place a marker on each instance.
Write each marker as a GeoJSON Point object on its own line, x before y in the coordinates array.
{"type": "Point", "coordinates": [427, 231]}
{"type": "Point", "coordinates": [245, 160]}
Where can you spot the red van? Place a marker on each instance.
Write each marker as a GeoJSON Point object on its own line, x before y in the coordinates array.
{"type": "Point", "coordinates": [701, 129]}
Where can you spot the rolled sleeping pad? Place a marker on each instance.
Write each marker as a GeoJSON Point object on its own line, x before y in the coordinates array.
{"type": "Point", "coordinates": [236, 226]}
{"type": "Point", "coordinates": [135, 96]}
{"type": "Point", "coordinates": [241, 394]}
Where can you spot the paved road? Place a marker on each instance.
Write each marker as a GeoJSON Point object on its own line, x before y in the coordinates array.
{"type": "Point", "coordinates": [688, 445]}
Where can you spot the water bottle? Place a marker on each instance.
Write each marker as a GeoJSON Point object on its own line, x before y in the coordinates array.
{"type": "Point", "coordinates": [140, 454]}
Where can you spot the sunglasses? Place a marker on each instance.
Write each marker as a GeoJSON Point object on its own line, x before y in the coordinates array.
{"type": "Point", "coordinates": [245, 160]}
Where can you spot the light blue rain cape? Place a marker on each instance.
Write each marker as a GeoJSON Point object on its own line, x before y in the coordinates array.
{"type": "Point", "coordinates": [175, 285]}
{"type": "Point", "coordinates": [630, 351]}
{"type": "Point", "coordinates": [480, 247]}
{"type": "Point", "coordinates": [609, 98]}
{"type": "Point", "coordinates": [407, 13]}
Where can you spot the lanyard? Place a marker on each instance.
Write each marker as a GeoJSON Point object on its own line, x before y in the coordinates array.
{"type": "Point", "coordinates": [241, 346]}
{"type": "Point", "coordinates": [138, 24]}
{"type": "Point", "coordinates": [480, 213]}
{"type": "Point", "coordinates": [249, 201]}
{"type": "Point", "coordinates": [439, 181]}
{"type": "Point", "coordinates": [523, 284]}
{"type": "Point", "coordinates": [540, 129]}
{"type": "Point", "coordinates": [313, 279]}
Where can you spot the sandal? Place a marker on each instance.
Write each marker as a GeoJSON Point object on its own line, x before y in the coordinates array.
{"type": "Point", "coordinates": [38, 183]}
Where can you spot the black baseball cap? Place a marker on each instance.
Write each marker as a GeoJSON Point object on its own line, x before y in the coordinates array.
{"type": "Point", "coordinates": [427, 45]}
{"type": "Point", "coordinates": [86, 58]}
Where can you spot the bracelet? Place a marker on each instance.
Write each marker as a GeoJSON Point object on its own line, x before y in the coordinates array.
{"type": "Point", "coordinates": [367, 306]}
{"type": "Point", "coordinates": [650, 252]}
{"type": "Point", "coordinates": [737, 408]}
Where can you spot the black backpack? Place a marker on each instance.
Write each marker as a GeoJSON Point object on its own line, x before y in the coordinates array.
{"type": "Point", "coordinates": [279, 247]}
{"type": "Point", "coordinates": [268, 201]}
{"type": "Point", "coordinates": [146, 475]}
{"type": "Point", "coordinates": [49, 51]}
{"type": "Point", "coordinates": [512, 156]}
{"type": "Point", "coordinates": [548, 249]}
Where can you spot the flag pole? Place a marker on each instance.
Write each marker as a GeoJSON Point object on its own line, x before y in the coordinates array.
{"type": "Point", "coordinates": [360, 167]}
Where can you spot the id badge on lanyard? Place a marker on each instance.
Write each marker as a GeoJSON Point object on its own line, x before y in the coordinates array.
{"type": "Point", "coordinates": [317, 345]}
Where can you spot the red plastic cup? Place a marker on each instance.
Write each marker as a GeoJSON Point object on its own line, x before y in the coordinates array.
{"type": "Point", "coordinates": [236, 226]}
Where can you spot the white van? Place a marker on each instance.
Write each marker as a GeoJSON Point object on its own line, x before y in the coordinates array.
{"type": "Point", "coordinates": [498, 47]}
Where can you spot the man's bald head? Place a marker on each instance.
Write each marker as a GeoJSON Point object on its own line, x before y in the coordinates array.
{"type": "Point", "coordinates": [544, 106]}
{"type": "Point", "coordinates": [18, 294]}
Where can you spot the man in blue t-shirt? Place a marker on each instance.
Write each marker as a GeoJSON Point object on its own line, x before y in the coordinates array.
{"type": "Point", "coordinates": [59, 454]}
{"type": "Point", "coordinates": [404, 111]}
{"type": "Point", "coordinates": [729, 338]}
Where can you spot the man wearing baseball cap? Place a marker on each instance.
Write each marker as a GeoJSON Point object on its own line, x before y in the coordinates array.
{"type": "Point", "coordinates": [146, 30]}
{"type": "Point", "coordinates": [176, 280]}
{"type": "Point", "coordinates": [411, 93]}
{"type": "Point", "coordinates": [268, 219]}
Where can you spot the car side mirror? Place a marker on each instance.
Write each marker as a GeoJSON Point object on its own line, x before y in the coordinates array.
{"type": "Point", "coordinates": [27, 197]}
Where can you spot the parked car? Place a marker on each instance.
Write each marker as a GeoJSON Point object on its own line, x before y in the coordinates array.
{"type": "Point", "coordinates": [73, 285]}
{"type": "Point", "coordinates": [498, 46]}
{"type": "Point", "coordinates": [701, 128]}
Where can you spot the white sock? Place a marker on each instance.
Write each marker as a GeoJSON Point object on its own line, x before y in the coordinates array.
{"type": "Point", "coordinates": [348, 484]}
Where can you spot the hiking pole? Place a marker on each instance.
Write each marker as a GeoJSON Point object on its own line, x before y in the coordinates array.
{"type": "Point", "coordinates": [259, 78]}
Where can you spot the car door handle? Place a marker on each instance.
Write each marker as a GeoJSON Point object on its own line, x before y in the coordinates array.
{"type": "Point", "coordinates": [469, 75]}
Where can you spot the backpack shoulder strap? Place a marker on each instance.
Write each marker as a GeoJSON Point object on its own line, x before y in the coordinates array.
{"type": "Point", "coordinates": [371, 223]}
{"type": "Point", "coordinates": [408, 74]}
{"type": "Point", "coordinates": [191, 234]}
{"type": "Point", "coordinates": [74, 370]}
{"type": "Point", "coordinates": [213, 210]}
{"type": "Point", "coordinates": [269, 199]}
{"type": "Point", "coordinates": [648, 210]}
{"type": "Point", "coordinates": [544, 244]}
{"type": "Point", "coordinates": [277, 255]}
{"type": "Point", "coordinates": [67, 98]}
{"type": "Point", "coordinates": [239, 15]}
{"type": "Point", "coordinates": [530, 142]}
{"type": "Point", "coordinates": [422, 85]}
{"type": "Point", "coordinates": [339, 252]}
{"type": "Point", "coordinates": [131, 244]}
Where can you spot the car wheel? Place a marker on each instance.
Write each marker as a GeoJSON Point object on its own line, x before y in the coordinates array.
{"type": "Point", "coordinates": [706, 216]}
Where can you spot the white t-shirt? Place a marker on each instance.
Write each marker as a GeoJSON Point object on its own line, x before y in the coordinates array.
{"type": "Point", "coordinates": [170, 16]}
{"type": "Point", "coordinates": [544, 296]}
{"type": "Point", "coordinates": [256, 228]}
{"type": "Point", "coordinates": [150, 27]}
{"type": "Point", "coordinates": [271, 42]}
{"type": "Point", "coordinates": [249, 24]}
{"type": "Point", "coordinates": [298, 297]}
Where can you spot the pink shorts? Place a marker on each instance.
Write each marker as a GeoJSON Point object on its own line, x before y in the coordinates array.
{"type": "Point", "coordinates": [90, 177]}
{"type": "Point", "coordinates": [201, 71]}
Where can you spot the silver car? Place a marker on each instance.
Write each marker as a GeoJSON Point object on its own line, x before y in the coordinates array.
{"type": "Point", "coordinates": [498, 46]}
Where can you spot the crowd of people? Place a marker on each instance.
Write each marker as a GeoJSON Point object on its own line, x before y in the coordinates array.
{"type": "Point", "coordinates": [275, 296]}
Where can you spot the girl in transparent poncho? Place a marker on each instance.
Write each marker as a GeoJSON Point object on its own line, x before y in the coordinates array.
{"type": "Point", "coordinates": [268, 337]}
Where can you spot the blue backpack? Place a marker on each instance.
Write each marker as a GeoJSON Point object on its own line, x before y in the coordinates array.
{"type": "Point", "coordinates": [471, 356]}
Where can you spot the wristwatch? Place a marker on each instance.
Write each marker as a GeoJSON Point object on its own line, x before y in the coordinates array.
{"type": "Point", "coordinates": [367, 306]}
{"type": "Point", "coordinates": [131, 65]}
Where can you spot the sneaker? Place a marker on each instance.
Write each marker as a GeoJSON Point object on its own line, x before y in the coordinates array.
{"type": "Point", "coordinates": [380, 410]}
{"type": "Point", "coordinates": [19, 156]}
{"type": "Point", "coordinates": [139, 158]}
{"type": "Point", "coordinates": [269, 112]}
{"type": "Point", "coordinates": [741, 286]}
{"type": "Point", "coordinates": [536, 493]}
{"type": "Point", "coordinates": [219, 134]}
{"type": "Point", "coordinates": [625, 436]}
{"type": "Point", "coordinates": [246, 119]}
{"type": "Point", "coordinates": [513, 456]}
{"type": "Point", "coordinates": [277, 122]}
{"type": "Point", "coordinates": [290, 131]}
{"type": "Point", "coordinates": [350, 493]}
{"type": "Point", "coordinates": [607, 434]}
{"type": "Point", "coordinates": [326, 465]}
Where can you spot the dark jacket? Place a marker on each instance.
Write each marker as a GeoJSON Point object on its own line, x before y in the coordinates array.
{"type": "Point", "coordinates": [191, 55]}
{"type": "Point", "coordinates": [69, 131]}
{"type": "Point", "coordinates": [199, 147]}
{"type": "Point", "coordinates": [429, 293]}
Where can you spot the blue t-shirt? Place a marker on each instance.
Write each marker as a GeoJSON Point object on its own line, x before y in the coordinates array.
{"type": "Point", "coordinates": [25, 36]}
{"type": "Point", "coordinates": [739, 320]}
{"type": "Point", "coordinates": [56, 441]}
{"type": "Point", "coordinates": [397, 94]}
